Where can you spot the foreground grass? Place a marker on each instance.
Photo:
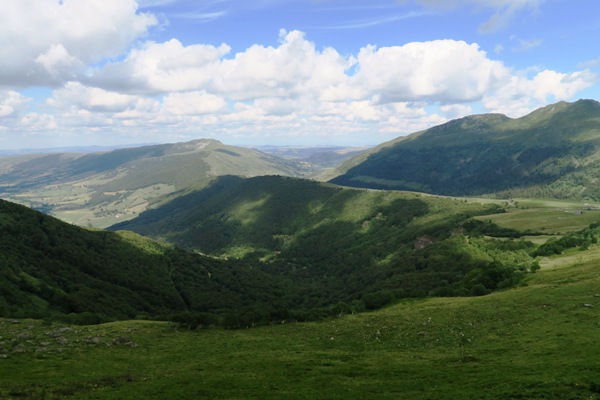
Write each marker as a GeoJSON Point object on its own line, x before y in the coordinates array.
{"type": "Point", "coordinates": [535, 342]}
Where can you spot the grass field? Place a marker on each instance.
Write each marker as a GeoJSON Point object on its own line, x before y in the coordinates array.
{"type": "Point", "coordinates": [538, 341]}
{"type": "Point", "coordinates": [548, 217]}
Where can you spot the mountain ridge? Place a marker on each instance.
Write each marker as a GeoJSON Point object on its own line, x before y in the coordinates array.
{"type": "Point", "coordinates": [552, 151]}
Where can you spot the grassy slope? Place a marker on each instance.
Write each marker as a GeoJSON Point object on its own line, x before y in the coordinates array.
{"type": "Point", "coordinates": [534, 342]}
{"type": "Point", "coordinates": [549, 217]}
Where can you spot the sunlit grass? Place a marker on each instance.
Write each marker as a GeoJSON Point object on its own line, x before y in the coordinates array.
{"type": "Point", "coordinates": [546, 217]}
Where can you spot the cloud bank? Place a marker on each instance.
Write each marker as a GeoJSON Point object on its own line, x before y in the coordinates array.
{"type": "Point", "coordinates": [107, 79]}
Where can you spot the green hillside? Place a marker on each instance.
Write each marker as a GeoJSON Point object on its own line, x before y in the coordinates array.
{"type": "Point", "coordinates": [401, 247]}
{"type": "Point", "coordinates": [537, 341]}
{"type": "Point", "coordinates": [363, 248]}
{"type": "Point", "coordinates": [100, 189]}
{"type": "Point", "coordinates": [552, 152]}
{"type": "Point", "coordinates": [50, 269]}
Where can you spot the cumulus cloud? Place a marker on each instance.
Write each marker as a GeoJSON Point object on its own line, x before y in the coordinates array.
{"type": "Point", "coordinates": [194, 103]}
{"type": "Point", "coordinates": [76, 95]}
{"type": "Point", "coordinates": [456, 110]}
{"type": "Point", "coordinates": [432, 71]}
{"type": "Point", "coordinates": [520, 94]}
{"type": "Point", "coordinates": [11, 103]}
{"type": "Point", "coordinates": [162, 67]}
{"type": "Point", "coordinates": [293, 68]}
{"type": "Point", "coordinates": [290, 88]}
{"type": "Point", "coordinates": [50, 41]}
{"type": "Point", "coordinates": [38, 122]}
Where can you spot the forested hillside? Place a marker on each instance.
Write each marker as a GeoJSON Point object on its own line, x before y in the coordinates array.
{"type": "Point", "coordinates": [552, 152]}
{"type": "Point", "coordinates": [364, 248]}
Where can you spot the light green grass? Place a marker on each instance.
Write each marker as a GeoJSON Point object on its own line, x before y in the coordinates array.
{"type": "Point", "coordinates": [548, 217]}
{"type": "Point", "coordinates": [534, 342]}
{"type": "Point", "coordinates": [544, 220]}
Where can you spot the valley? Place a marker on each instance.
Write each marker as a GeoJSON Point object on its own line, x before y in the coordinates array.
{"type": "Point", "coordinates": [200, 270]}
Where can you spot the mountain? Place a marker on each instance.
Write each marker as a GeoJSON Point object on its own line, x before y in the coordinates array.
{"type": "Point", "coordinates": [68, 149]}
{"type": "Point", "coordinates": [320, 158]}
{"type": "Point", "coordinates": [535, 341]}
{"type": "Point", "coordinates": [552, 152]}
{"type": "Point", "coordinates": [49, 268]}
{"type": "Point", "coordinates": [348, 243]}
{"type": "Point", "coordinates": [100, 189]}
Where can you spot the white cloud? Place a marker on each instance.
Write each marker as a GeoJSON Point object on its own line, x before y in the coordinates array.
{"type": "Point", "coordinates": [49, 41]}
{"type": "Point", "coordinates": [554, 85]}
{"type": "Point", "coordinates": [11, 103]}
{"type": "Point", "coordinates": [163, 67]}
{"type": "Point", "coordinates": [590, 63]}
{"type": "Point", "coordinates": [456, 110]}
{"type": "Point", "coordinates": [521, 95]}
{"type": "Point", "coordinates": [58, 62]}
{"type": "Point", "coordinates": [194, 103]}
{"type": "Point", "coordinates": [76, 95]}
{"type": "Point", "coordinates": [292, 88]}
{"type": "Point", "coordinates": [294, 68]}
{"type": "Point", "coordinates": [526, 45]}
{"type": "Point", "coordinates": [38, 122]}
{"type": "Point", "coordinates": [433, 71]}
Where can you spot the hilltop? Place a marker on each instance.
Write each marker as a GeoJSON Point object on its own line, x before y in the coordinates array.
{"type": "Point", "coordinates": [552, 152]}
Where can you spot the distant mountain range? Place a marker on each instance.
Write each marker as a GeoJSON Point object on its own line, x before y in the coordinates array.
{"type": "Point", "coordinates": [100, 189]}
{"type": "Point", "coordinates": [100, 186]}
{"type": "Point", "coordinates": [68, 149]}
{"type": "Point", "coordinates": [552, 152]}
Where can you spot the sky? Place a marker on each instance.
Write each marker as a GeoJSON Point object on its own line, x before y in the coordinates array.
{"type": "Point", "coordinates": [282, 72]}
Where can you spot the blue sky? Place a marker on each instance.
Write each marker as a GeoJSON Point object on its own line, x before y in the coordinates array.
{"type": "Point", "coordinates": [284, 72]}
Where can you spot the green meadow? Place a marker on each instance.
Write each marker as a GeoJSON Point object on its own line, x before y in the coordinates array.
{"type": "Point", "coordinates": [546, 216]}
{"type": "Point", "coordinates": [537, 341]}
